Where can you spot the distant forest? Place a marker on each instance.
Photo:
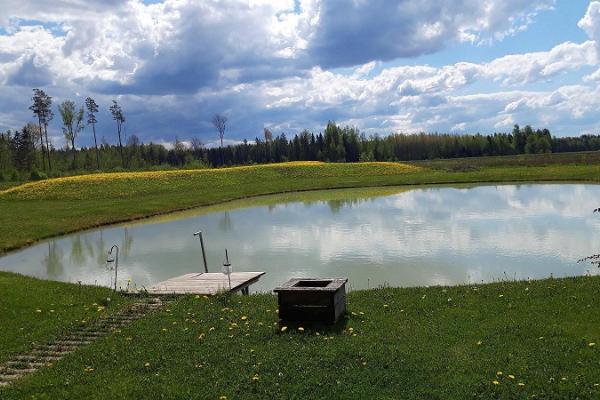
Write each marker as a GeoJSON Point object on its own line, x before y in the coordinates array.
{"type": "Point", "coordinates": [24, 155]}
{"type": "Point", "coordinates": [20, 153]}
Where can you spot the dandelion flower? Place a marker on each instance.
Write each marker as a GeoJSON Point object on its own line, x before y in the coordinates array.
{"type": "Point", "coordinates": [520, 384]}
{"type": "Point", "coordinates": [244, 318]}
{"type": "Point", "coordinates": [592, 344]}
{"type": "Point", "coordinates": [511, 377]}
{"type": "Point", "coordinates": [255, 378]}
{"type": "Point", "coordinates": [283, 328]}
{"type": "Point", "coordinates": [495, 382]}
{"type": "Point", "coordinates": [146, 364]}
{"type": "Point", "coordinates": [499, 373]}
{"type": "Point", "coordinates": [300, 329]}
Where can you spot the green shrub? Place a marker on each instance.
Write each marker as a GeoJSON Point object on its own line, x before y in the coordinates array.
{"type": "Point", "coordinates": [37, 175]}
{"type": "Point", "coordinates": [15, 176]}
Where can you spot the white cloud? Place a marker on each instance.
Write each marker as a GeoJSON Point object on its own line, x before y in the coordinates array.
{"type": "Point", "coordinates": [267, 61]}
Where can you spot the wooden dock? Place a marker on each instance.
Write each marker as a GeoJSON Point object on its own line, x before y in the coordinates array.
{"type": "Point", "coordinates": [207, 283]}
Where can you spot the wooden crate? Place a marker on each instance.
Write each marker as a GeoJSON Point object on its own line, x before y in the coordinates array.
{"type": "Point", "coordinates": [316, 300]}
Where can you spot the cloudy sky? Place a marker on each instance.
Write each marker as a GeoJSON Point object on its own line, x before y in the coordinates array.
{"type": "Point", "coordinates": [459, 66]}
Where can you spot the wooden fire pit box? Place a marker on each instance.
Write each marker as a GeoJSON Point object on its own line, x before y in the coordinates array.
{"type": "Point", "coordinates": [312, 300]}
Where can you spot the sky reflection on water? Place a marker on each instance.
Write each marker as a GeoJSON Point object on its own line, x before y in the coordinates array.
{"type": "Point", "coordinates": [424, 236]}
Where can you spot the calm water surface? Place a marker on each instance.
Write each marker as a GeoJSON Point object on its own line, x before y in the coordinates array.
{"type": "Point", "coordinates": [398, 237]}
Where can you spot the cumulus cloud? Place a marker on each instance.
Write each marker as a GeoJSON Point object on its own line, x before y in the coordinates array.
{"type": "Point", "coordinates": [356, 32]}
{"type": "Point", "coordinates": [173, 64]}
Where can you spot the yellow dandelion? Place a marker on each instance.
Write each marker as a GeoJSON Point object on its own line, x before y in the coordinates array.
{"type": "Point", "coordinates": [499, 373]}
{"type": "Point", "coordinates": [255, 378]}
{"type": "Point", "coordinates": [520, 384]}
{"type": "Point", "coordinates": [495, 382]}
{"type": "Point", "coordinates": [592, 344]}
{"type": "Point", "coordinates": [244, 318]}
{"type": "Point", "coordinates": [146, 364]}
{"type": "Point", "coordinates": [300, 329]}
{"type": "Point", "coordinates": [511, 377]}
{"type": "Point", "coordinates": [283, 328]}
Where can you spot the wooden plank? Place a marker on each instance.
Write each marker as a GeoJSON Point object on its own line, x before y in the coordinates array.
{"type": "Point", "coordinates": [205, 283]}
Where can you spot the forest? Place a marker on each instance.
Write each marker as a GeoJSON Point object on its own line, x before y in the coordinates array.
{"type": "Point", "coordinates": [24, 155]}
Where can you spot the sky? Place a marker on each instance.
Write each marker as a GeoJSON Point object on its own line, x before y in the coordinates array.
{"type": "Point", "coordinates": [458, 66]}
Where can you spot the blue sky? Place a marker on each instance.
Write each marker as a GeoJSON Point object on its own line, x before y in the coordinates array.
{"type": "Point", "coordinates": [460, 66]}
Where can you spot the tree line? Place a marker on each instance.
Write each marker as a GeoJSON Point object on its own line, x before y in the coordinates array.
{"type": "Point", "coordinates": [27, 153]}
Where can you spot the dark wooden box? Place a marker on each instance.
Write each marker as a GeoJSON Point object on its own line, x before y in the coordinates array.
{"type": "Point", "coordinates": [312, 300]}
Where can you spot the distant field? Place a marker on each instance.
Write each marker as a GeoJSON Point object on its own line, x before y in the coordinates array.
{"type": "Point", "coordinates": [47, 208]}
{"type": "Point", "coordinates": [522, 160]}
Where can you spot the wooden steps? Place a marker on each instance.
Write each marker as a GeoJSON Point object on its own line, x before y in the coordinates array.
{"type": "Point", "coordinates": [42, 355]}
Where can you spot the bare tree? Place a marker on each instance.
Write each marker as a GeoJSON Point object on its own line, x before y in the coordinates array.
{"type": "Point", "coordinates": [196, 144]}
{"type": "Point", "coordinates": [41, 107]}
{"type": "Point", "coordinates": [92, 109]}
{"type": "Point", "coordinates": [219, 121]}
{"type": "Point", "coordinates": [118, 116]}
{"type": "Point", "coordinates": [72, 123]}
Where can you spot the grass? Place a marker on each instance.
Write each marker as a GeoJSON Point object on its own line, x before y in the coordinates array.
{"type": "Point", "coordinates": [34, 310]}
{"type": "Point", "coordinates": [434, 343]}
{"type": "Point", "coordinates": [411, 343]}
{"type": "Point", "coordinates": [43, 209]}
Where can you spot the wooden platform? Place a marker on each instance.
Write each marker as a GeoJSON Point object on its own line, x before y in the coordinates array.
{"type": "Point", "coordinates": [207, 283]}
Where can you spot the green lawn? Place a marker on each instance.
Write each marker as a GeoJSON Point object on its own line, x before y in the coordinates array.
{"type": "Point", "coordinates": [52, 207]}
{"type": "Point", "coordinates": [432, 343]}
{"type": "Point", "coordinates": [533, 338]}
{"type": "Point", "coordinates": [35, 311]}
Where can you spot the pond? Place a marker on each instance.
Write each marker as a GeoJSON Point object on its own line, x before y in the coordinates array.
{"type": "Point", "coordinates": [382, 236]}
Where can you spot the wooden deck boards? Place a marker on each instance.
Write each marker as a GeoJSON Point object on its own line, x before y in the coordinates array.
{"type": "Point", "coordinates": [205, 283]}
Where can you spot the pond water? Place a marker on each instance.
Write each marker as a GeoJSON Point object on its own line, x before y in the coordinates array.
{"type": "Point", "coordinates": [385, 236]}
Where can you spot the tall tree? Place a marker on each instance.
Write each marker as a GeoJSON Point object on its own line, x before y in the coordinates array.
{"type": "Point", "coordinates": [24, 149]}
{"type": "Point", "coordinates": [92, 109]}
{"type": "Point", "coordinates": [72, 120]}
{"type": "Point", "coordinates": [118, 116]}
{"type": "Point", "coordinates": [219, 121]}
{"type": "Point", "coordinates": [41, 107]}
{"type": "Point", "coordinates": [268, 141]}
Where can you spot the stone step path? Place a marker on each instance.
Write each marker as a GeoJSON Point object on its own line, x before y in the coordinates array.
{"type": "Point", "coordinates": [43, 355]}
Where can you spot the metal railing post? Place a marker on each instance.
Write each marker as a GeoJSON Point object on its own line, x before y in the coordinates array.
{"type": "Point", "coordinates": [199, 234]}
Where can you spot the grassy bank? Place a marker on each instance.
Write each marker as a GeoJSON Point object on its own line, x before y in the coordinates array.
{"type": "Point", "coordinates": [505, 340]}
{"type": "Point", "coordinates": [48, 208]}
{"type": "Point", "coordinates": [34, 311]}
